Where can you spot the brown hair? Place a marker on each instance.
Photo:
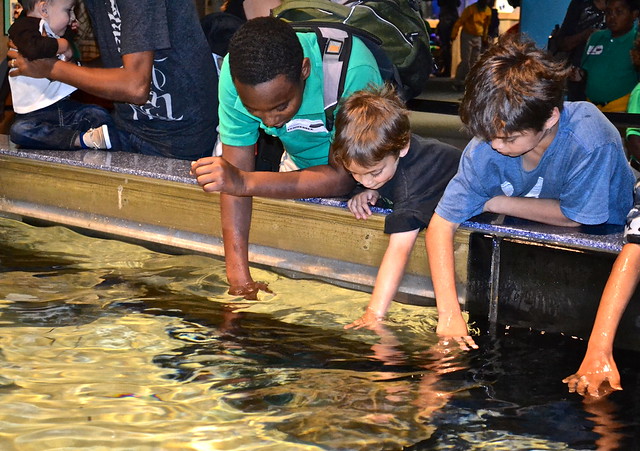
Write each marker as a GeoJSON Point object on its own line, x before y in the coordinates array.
{"type": "Point", "coordinates": [513, 87]}
{"type": "Point", "coordinates": [370, 125]}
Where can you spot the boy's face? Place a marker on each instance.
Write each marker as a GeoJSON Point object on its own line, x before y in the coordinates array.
{"type": "Point", "coordinates": [619, 17]}
{"type": "Point", "coordinates": [517, 144]}
{"type": "Point", "coordinates": [374, 177]}
{"type": "Point", "coordinates": [520, 143]}
{"type": "Point", "coordinates": [59, 14]}
{"type": "Point", "coordinates": [274, 102]}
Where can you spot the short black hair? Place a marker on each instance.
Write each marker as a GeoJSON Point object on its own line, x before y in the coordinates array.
{"type": "Point", "coordinates": [264, 48]}
{"type": "Point", "coordinates": [633, 5]}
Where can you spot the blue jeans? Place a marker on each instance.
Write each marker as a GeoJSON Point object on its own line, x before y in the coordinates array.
{"type": "Point", "coordinates": [129, 142]}
{"type": "Point", "coordinates": [57, 126]}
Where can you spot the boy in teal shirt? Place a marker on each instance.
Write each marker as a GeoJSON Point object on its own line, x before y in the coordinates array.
{"type": "Point", "coordinates": [272, 80]}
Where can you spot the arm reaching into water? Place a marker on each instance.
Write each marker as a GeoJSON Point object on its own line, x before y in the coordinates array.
{"type": "Point", "coordinates": [234, 176]}
{"type": "Point", "coordinates": [439, 239]}
{"type": "Point", "coordinates": [598, 374]}
{"type": "Point", "coordinates": [388, 279]}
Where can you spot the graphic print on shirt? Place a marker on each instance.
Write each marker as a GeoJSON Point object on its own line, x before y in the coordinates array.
{"type": "Point", "coordinates": [508, 190]}
{"type": "Point", "coordinates": [595, 49]}
{"type": "Point", "coordinates": [116, 23]}
{"type": "Point", "coordinates": [537, 189]}
{"type": "Point", "coordinates": [307, 125]}
{"type": "Point", "coordinates": [159, 105]}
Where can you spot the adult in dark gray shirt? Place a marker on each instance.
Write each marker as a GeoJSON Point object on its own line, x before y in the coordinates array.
{"type": "Point", "coordinates": [158, 69]}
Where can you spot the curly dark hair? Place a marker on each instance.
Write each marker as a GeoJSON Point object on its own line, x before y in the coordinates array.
{"type": "Point", "coordinates": [633, 5]}
{"type": "Point", "coordinates": [264, 48]}
{"type": "Point", "coordinates": [513, 87]}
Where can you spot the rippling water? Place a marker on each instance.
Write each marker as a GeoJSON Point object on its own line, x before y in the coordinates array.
{"type": "Point", "coordinates": [107, 345]}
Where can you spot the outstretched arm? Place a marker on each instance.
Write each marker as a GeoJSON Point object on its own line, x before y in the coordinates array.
{"type": "Point", "coordinates": [234, 177]}
{"type": "Point", "coordinates": [130, 83]}
{"type": "Point", "coordinates": [598, 366]}
{"type": "Point", "coordinates": [221, 174]}
{"type": "Point", "coordinates": [388, 280]}
{"type": "Point", "coordinates": [546, 211]}
{"type": "Point", "coordinates": [235, 215]}
{"type": "Point", "coordinates": [439, 239]}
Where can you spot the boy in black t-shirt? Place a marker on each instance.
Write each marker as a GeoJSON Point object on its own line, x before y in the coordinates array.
{"type": "Point", "coordinates": [374, 143]}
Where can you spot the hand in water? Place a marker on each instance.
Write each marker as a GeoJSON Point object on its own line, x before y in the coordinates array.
{"type": "Point", "coordinates": [250, 290]}
{"type": "Point", "coordinates": [369, 320]}
{"type": "Point", "coordinates": [596, 378]}
{"type": "Point", "coordinates": [465, 343]}
{"type": "Point", "coordinates": [454, 330]}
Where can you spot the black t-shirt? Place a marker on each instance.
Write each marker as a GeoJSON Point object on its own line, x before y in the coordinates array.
{"type": "Point", "coordinates": [420, 179]}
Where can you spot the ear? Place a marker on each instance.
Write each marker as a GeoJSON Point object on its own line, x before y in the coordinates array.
{"type": "Point", "coordinates": [404, 151]}
{"type": "Point", "coordinates": [42, 9]}
{"type": "Point", "coordinates": [553, 120]}
{"type": "Point", "coordinates": [306, 69]}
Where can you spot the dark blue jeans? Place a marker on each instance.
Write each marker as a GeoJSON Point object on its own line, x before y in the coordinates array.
{"type": "Point", "coordinates": [128, 142]}
{"type": "Point", "coordinates": [57, 126]}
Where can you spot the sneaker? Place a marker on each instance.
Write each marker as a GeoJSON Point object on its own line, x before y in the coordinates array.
{"type": "Point", "coordinates": [97, 138]}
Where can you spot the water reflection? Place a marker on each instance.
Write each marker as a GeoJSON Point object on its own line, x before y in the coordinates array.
{"type": "Point", "coordinates": [112, 346]}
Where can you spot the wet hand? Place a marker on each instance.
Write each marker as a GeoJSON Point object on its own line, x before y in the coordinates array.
{"type": "Point", "coordinates": [453, 330]}
{"type": "Point", "coordinates": [369, 320]}
{"type": "Point", "coordinates": [596, 378]}
{"type": "Point", "coordinates": [217, 174]}
{"type": "Point", "coordinates": [249, 290]}
{"type": "Point", "coordinates": [360, 204]}
{"type": "Point", "coordinates": [464, 343]}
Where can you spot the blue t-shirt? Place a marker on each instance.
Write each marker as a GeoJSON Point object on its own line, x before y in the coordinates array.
{"type": "Point", "coordinates": [584, 167]}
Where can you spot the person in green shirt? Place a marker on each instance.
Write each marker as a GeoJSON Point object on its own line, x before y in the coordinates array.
{"type": "Point", "coordinates": [606, 62]}
{"type": "Point", "coordinates": [272, 79]}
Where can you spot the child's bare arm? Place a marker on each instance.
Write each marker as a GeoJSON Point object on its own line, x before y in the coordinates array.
{"type": "Point", "coordinates": [360, 204]}
{"type": "Point", "coordinates": [389, 277]}
{"type": "Point", "coordinates": [439, 238]}
{"type": "Point", "coordinates": [598, 365]}
{"type": "Point", "coordinates": [546, 211]}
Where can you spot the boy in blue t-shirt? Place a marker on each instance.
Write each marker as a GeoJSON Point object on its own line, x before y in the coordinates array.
{"type": "Point", "coordinates": [532, 157]}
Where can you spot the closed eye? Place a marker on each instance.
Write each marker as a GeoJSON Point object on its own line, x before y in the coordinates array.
{"type": "Point", "coordinates": [282, 107]}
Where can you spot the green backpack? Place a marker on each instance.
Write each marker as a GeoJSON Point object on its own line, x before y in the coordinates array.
{"type": "Point", "coordinates": [393, 30]}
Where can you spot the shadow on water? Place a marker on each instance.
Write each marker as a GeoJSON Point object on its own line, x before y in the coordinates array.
{"type": "Point", "coordinates": [522, 395]}
{"type": "Point", "coordinates": [138, 350]}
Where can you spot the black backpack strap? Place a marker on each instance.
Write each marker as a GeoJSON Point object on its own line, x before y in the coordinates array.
{"type": "Point", "coordinates": [335, 46]}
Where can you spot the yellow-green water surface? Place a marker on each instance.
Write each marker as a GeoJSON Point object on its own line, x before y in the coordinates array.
{"type": "Point", "coordinates": [110, 346]}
